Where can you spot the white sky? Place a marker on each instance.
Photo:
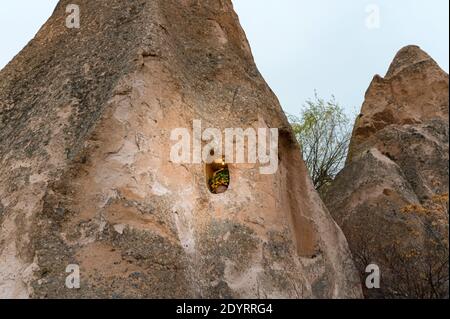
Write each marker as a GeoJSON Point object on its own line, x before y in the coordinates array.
{"type": "Point", "coordinates": [303, 45]}
{"type": "Point", "coordinates": [299, 45]}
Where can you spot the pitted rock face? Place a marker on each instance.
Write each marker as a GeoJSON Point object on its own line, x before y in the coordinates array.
{"type": "Point", "coordinates": [86, 177]}
{"type": "Point", "coordinates": [390, 197]}
{"type": "Point", "coordinates": [412, 92]}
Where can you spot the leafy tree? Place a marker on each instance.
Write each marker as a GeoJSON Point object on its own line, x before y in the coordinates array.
{"type": "Point", "coordinates": [323, 131]}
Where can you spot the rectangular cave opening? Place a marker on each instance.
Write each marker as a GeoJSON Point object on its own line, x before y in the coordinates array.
{"type": "Point", "coordinates": [217, 176]}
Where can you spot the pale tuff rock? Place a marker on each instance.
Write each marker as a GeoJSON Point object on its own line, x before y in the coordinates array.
{"type": "Point", "coordinates": [398, 157]}
{"type": "Point", "coordinates": [414, 90]}
{"type": "Point", "coordinates": [86, 177]}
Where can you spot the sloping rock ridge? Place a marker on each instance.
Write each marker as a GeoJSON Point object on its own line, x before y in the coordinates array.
{"type": "Point", "coordinates": [86, 178]}
{"type": "Point", "coordinates": [391, 199]}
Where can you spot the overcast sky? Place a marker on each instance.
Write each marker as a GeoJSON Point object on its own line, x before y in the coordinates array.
{"type": "Point", "coordinates": [332, 46]}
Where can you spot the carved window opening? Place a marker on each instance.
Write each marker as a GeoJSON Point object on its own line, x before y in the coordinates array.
{"type": "Point", "coordinates": [217, 176]}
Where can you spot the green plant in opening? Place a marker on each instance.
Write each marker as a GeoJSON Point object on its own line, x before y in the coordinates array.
{"type": "Point", "coordinates": [220, 181]}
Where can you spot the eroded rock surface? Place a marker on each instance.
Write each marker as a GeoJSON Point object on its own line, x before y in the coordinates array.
{"type": "Point", "coordinates": [391, 199]}
{"type": "Point", "coordinates": [86, 177]}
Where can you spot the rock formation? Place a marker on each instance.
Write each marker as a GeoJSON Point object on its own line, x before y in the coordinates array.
{"type": "Point", "coordinates": [86, 178]}
{"type": "Point", "coordinates": [391, 199]}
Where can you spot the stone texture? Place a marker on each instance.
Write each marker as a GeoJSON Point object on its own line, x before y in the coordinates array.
{"type": "Point", "coordinates": [414, 90]}
{"type": "Point", "coordinates": [398, 157]}
{"type": "Point", "coordinates": [86, 178]}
